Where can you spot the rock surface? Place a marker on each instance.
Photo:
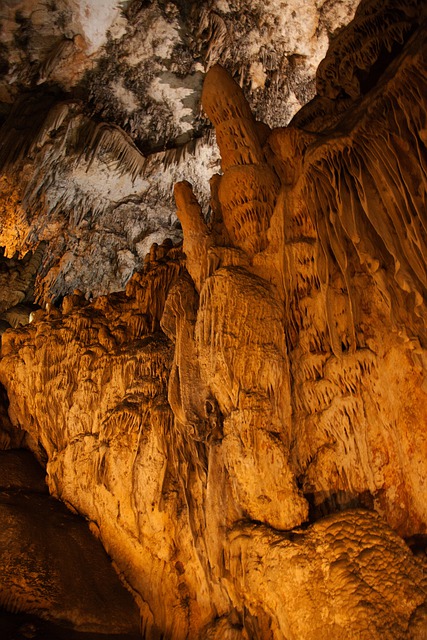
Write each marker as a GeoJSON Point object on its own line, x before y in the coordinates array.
{"type": "Point", "coordinates": [244, 425]}
{"type": "Point", "coordinates": [198, 506]}
{"type": "Point", "coordinates": [50, 564]}
{"type": "Point", "coordinates": [101, 116]}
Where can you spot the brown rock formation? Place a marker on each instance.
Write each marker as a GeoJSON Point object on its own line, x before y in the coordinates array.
{"type": "Point", "coordinates": [50, 564]}
{"type": "Point", "coordinates": [245, 425]}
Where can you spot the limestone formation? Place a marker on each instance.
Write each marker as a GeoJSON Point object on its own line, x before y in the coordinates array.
{"type": "Point", "coordinates": [100, 116]}
{"type": "Point", "coordinates": [244, 425]}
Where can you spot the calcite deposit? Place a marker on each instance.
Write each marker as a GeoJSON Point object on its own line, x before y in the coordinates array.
{"type": "Point", "coordinates": [243, 426]}
{"type": "Point", "coordinates": [100, 116]}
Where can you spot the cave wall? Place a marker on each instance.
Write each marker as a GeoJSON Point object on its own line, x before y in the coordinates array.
{"type": "Point", "coordinates": [244, 425]}
{"type": "Point", "coordinates": [100, 116]}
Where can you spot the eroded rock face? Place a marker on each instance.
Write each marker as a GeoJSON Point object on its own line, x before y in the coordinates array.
{"type": "Point", "coordinates": [122, 427]}
{"type": "Point", "coordinates": [244, 425]}
{"type": "Point", "coordinates": [100, 114]}
{"type": "Point", "coordinates": [176, 496]}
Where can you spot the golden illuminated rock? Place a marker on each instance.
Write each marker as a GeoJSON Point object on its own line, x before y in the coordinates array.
{"type": "Point", "coordinates": [244, 426]}
{"type": "Point", "coordinates": [248, 189]}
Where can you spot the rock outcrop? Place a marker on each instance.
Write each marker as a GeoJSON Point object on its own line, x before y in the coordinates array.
{"type": "Point", "coordinates": [100, 116]}
{"type": "Point", "coordinates": [244, 425]}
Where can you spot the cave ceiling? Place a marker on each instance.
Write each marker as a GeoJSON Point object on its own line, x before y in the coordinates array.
{"type": "Point", "coordinates": [101, 113]}
{"type": "Point", "coordinates": [213, 317]}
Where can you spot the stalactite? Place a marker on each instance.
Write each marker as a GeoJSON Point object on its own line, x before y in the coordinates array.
{"type": "Point", "coordinates": [97, 138]}
{"type": "Point", "coordinates": [212, 33]}
{"type": "Point", "coordinates": [252, 408]}
{"type": "Point", "coordinates": [379, 27]}
{"type": "Point", "coordinates": [371, 198]}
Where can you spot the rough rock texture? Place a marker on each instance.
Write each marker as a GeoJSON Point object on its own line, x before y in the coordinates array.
{"type": "Point", "coordinates": [244, 425]}
{"type": "Point", "coordinates": [190, 502]}
{"type": "Point", "coordinates": [100, 107]}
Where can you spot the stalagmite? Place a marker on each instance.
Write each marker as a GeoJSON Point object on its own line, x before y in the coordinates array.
{"type": "Point", "coordinates": [244, 425]}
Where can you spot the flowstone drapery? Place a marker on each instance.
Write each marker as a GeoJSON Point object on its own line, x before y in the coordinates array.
{"type": "Point", "coordinates": [244, 426]}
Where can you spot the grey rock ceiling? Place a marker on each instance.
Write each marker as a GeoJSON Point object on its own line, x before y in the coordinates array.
{"type": "Point", "coordinates": [100, 105]}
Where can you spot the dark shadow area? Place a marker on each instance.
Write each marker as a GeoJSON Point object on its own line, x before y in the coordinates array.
{"type": "Point", "coordinates": [323, 504]}
{"type": "Point", "coordinates": [418, 545]}
{"type": "Point", "coordinates": [21, 626]}
{"type": "Point", "coordinates": [370, 78]}
{"type": "Point", "coordinates": [56, 580]}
